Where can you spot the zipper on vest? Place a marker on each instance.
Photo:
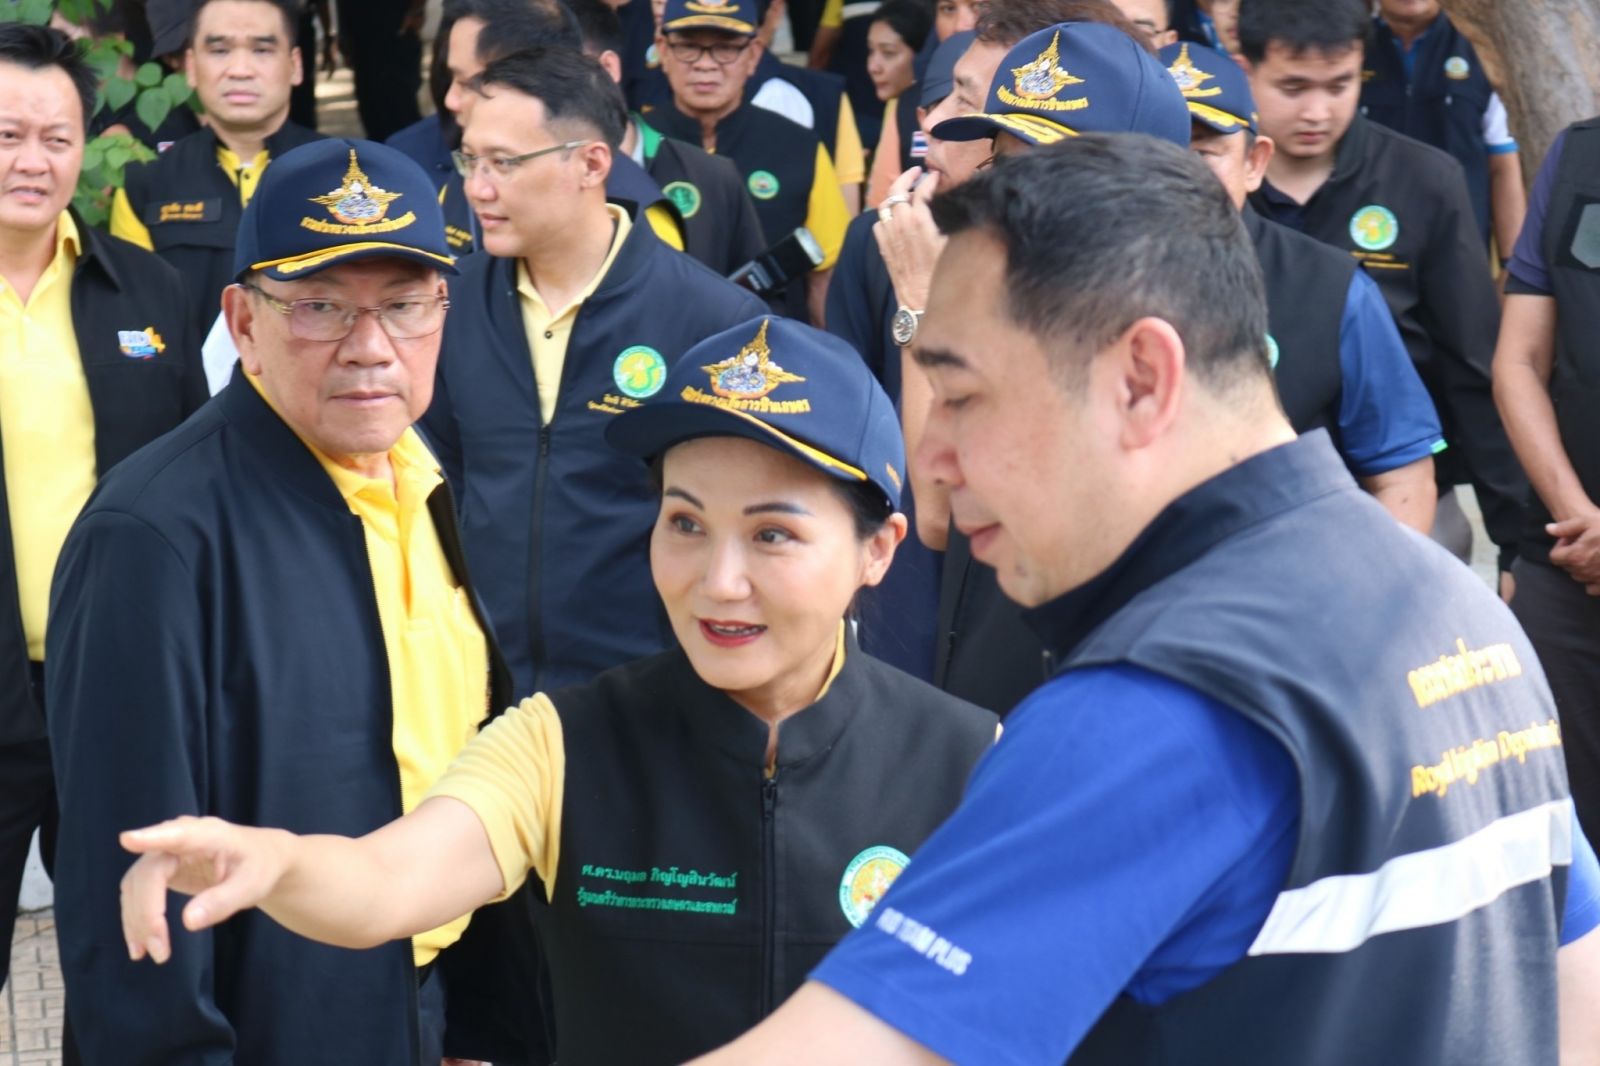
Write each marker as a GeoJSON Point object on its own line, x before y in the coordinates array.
{"type": "Point", "coordinates": [536, 559]}
{"type": "Point", "coordinates": [769, 892]}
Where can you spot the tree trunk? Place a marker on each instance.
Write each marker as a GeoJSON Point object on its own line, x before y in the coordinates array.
{"type": "Point", "coordinates": [1542, 55]}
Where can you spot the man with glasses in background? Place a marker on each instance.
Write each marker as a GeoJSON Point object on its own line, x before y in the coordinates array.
{"type": "Point", "coordinates": [266, 615]}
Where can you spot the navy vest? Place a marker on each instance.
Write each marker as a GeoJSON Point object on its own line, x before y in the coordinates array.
{"type": "Point", "coordinates": [694, 893]}
{"type": "Point", "coordinates": [1307, 286]}
{"type": "Point", "coordinates": [1571, 245]}
{"type": "Point", "coordinates": [1442, 103]}
{"type": "Point", "coordinates": [1420, 919]}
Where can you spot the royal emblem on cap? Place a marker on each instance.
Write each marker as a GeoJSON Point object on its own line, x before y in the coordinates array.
{"type": "Point", "coordinates": [357, 206]}
{"type": "Point", "coordinates": [1038, 83]}
{"type": "Point", "coordinates": [867, 878]}
{"type": "Point", "coordinates": [1190, 78]}
{"type": "Point", "coordinates": [727, 10]}
{"type": "Point", "coordinates": [751, 373]}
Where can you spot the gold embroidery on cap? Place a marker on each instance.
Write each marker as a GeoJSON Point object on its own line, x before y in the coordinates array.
{"type": "Point", "coordinates": [1038, 83]}
{"type": "Point", "coordinates": [357, 206]}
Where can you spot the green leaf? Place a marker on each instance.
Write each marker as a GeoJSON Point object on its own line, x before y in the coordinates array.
{"type": "Point", "coordinates": [148, 76]}
{"type": "Point", "coordinates": [152, 108]}
{"type": "Point", "coordinates": [118, 92]}
{"type": "Point", "coordinates": [117, 156]}
{"type": "Point", "coordinates": [37, 12]}
{"type": "Point", "coordinates": [94, 153]}
{"type": "Point", "coordinates": [177, 89]}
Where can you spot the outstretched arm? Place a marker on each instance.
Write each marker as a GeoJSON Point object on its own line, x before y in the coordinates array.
{"type": "Point", "coordinates": [414, 874]}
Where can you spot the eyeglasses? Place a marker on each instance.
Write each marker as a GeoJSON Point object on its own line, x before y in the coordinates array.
{"type": "Point", "coordinates": [318, 319]}
{"type": "Point", "coordinates": [723, 52]}
{"type": "Point", "coordinates": [506, 165]}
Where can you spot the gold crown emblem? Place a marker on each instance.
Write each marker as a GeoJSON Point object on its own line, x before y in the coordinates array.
{"type": "Point", "coordinates": [722, 7]}
{"type": "Point", "coordinates": [1190, 78]}
{"type": "Point", "coordinates": [751, 373]}
{"type": "Point", "coordinates": [1044, 78]}
{"type": "Point", "coordinates": [357, 202]}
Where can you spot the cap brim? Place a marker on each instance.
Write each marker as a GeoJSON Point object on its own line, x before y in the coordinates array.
{"type": "Point", "coordinates": [648, 431]}
{"type": "Point", "coordinates": [1030, 128]}
{"type": "Point", "coordinates": [302, 266]}
{"type": "Point", "coordinates": [1220, 121]}
{"type": "Point", "coordinates": [710, 22]}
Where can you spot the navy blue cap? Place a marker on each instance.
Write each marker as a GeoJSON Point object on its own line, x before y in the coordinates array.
{"type": "Point", "coordinates": [786, 385]}
{"type": "Point", "coordinates": [1077, 77]}
{"type": "Point", "coordinates": [335, 201]}
{"type": "Point", "coordinates": [940, 77]}
{"type": "Point", "coordinates": [1216, 88]}
{"type": "Point", "coordinates": [732, 16]}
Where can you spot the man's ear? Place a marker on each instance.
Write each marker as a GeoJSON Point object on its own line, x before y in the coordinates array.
{"type": "Point", "coordinates": [1149, 368]}
{"type": "Point", "coordinates": [612, 64]}
{"type": "Point", "coordinates": [239, 312]}
{"type": "Point", "coordinates": [596, 156]}
{"type": "Point", "coordinates": [1256, 160]}
{"type": "Point", "coordinates": [297, 71]}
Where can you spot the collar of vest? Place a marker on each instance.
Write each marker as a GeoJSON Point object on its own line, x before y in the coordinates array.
{"type": "Point", "coordinates": [286, 136]}
{"type": "Point", "coordinates": [271, 438]}
{"type": "Point", "coordinates": [1275, 481]}
{"type": "Point", "coordinates": [721, 723]}
{"type": "Point", "coordinates": [94, 249]}
{"type": "Point", "coordinates": [1351, 154]}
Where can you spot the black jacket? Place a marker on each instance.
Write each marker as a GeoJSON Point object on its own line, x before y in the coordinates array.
{"type": "Point", "coordinates": [192, 211]}
{"type": "Point", "coordinates": [136, 396]}
{"type": "Point", "coordinates": [556, 522]}
{"type": "Point", "coordinates": [694, 893]}
{"type": "Point", "coordinates": [1401, 209]}
{"type": "Point", "coordinates": [720, 224]}
{"type": "Point", "coordinates": [215, 648]}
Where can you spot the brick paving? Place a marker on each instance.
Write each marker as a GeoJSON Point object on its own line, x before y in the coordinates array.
{"type": "Point", "coordinates": [32, 1001]}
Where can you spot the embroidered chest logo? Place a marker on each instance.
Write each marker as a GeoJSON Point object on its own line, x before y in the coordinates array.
{"type": "Point", "coordinates": [1273, 352]}
{"type": "Point", "coordinates": [867, 878]}
{"type": "Point", "coordinates": [763, 184]}
{"type": "Point", "coordinates": [684, 196]}
{"type": "Point", "coordinates": [1457, 68]}
{"type": "Point", "coordinates": [1374, 228]}
{"type": "Point", "coordinates": [140, 343]}
{"type": "Point", "coordinates": [1040, 82]}
{"type": "Point", "coordinates": [1191, 78]}
{"type": "Point", "coordinates": [358, 206]}
{"type": "Point", "coordinates": [639, 372]}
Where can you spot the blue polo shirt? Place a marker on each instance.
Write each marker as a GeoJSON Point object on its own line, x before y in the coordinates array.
{"type": "Point", "coordinates": [1127, 836]}
{"type": "Point", "coordinates": [1530, 275]}
{"type": "Point", "coordinates": [1386, 417]}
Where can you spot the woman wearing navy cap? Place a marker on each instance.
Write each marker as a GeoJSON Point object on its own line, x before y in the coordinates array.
{"type": "Point", "coordinates": [700, 826]}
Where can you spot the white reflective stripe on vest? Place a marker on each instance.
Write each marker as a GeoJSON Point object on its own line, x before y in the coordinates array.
{"type": "Point", "coordinates": [1420, 889]}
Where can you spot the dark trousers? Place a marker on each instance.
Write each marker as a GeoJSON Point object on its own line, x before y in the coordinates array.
{"type": "Point", "coordinates": [1563, 622]}
{"type": "Point", "coordinates": [386, 63]}
{"type": "Point", "coordinates": [27, 803]}
{"type": "Point", "coordinates": [430, 1018]}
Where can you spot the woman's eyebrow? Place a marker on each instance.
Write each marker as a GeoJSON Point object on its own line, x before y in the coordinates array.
{"type": "Point", "coordinates": [686, 497]}
{"type": "Point", "coordinates": [777, 507]}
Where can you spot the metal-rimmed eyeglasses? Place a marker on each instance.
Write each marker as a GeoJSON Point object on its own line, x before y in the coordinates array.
{"type": "Point", "coordinates": [320, 318]}
{"type": "Point", "coordinates": [723, 52]}
{"type": "Point", "coordinates": [503, 166]}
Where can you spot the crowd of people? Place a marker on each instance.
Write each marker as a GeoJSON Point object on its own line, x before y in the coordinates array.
{"type": "Point", "coordinates": [944, 547]}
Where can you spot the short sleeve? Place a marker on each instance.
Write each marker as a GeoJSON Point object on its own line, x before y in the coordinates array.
{"type": "Point", "coordinates": [1497, 139]}
{"type": "Point", "coordinates": [1583, 889]}
{"type": "Point", "coordinates": [1386, 417]}
{"type": "Point", "coordinates": [1126, 835]}
{"type": "Point", "coordinates": [1527, 264]}
{"type": "Point", "coordinates": [826, 213]}
{"type": "Point", "coordinates": [850, 164]}
{"type": "Point", "coordinates": [513, 776]}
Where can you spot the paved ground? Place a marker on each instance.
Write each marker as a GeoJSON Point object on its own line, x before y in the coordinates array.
{"type": "Point", "coordinates": [30, 1005]}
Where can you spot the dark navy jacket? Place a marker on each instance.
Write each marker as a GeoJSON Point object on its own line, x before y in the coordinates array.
{"type": "Point", "coordinates": [215, 648]}
{"type": "Point", "coordinates": [135, 397]}
{"type": "Point", "coordinates": [556, 523]}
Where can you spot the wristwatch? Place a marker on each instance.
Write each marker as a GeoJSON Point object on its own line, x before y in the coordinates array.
{"type": "Point", "coordinates": [904, 326]}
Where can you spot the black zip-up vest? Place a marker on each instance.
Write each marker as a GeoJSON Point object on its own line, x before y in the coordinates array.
{"type": "Point", "coordinates": [1571, 245]}
{"type": "Point", "coordinates": [987, 654]}
{"type": "Point", "coordinates": [1442, 104]}
{"type": "Point", "coordinates": [694, 893]}
{"type": "Point", "coordinates": [720, 224]}
{"type": "Point", "coordinates": [1420, 920]}
{"type": "Point", "coordinates": [556, 522]}
{"type": "Point", "coordinates": [192, 211]}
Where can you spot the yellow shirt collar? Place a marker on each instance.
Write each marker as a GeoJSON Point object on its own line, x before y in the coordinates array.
{"type": "Point", "coordinates": [68, 241]}
{"type": "Point", "coordinates": [623, 225]}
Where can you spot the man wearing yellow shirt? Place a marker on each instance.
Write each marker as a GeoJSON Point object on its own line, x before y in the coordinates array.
{"type": "Point", "coordinates": [275, 594]}
{"type": "Point", "coordinates": [95, 361]}
{"type": "Point", "coordinates": [571, 317]}
{"type": "Point", "coordinates": [185, 204]}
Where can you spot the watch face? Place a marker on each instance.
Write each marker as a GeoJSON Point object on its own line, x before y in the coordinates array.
{"type": "Point", "coordinates": [904, 326]}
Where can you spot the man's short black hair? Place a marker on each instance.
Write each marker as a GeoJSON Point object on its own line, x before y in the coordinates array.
{"type": "Point", "coordinates": [288, 9]}
{"type": "Point", "coordinates": [911, 20]}
{"type": "Point", "coordinates": [573, 87]}
{"type": "Point", "coordinates": [1302, 25]}
{"type": "Point", "coordinates": [1006, 22]}
{"type": "Point", "coordinates": [519, 26]}
{"type": "Point", "coordinates": [1089, 252]}
{"type": "Point", "coordinates": [601, 26]}
{"type": "Point", "coordinates": [36, 47]}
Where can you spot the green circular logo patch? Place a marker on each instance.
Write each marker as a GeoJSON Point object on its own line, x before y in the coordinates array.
{"type": "Point", "coordinates": [1456, 68]}
{"type": "Point", "coordinates": [1374, 228]}
{"type": "Point", "coordinates": [1272, 351]}
{"type": "Point", "coordinates": [867, 878]}
{"type": "Point", "coordinates": [684, 196]}
{"type": "Point", "coordinates": [639, 372]}
{"type": "Point", "coordinates": [763, 184]}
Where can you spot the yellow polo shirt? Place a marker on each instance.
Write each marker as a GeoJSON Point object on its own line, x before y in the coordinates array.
{"type": "Point", "coordinates": [513, 777]}
{"type": "Point", "coordinates": [438, 657]}
{"type": "Point", "coordinates": [46, 427]}
{"type": "Point", "coordinates": [126, 223]}
{"type": "Point", "coordinates": [549, 331]}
